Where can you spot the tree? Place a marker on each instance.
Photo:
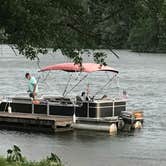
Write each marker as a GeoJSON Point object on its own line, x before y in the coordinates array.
{"type": "Point", "coordinates": [117, 17]}
{"type": "Point", "coordinates": [32, 26]}
{"type": "Point", "coordinates": [148, 34]}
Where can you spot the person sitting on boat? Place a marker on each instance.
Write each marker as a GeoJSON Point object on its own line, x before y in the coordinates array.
{"type": "Point", "coordinates": [85, 97]}
{"type": "Point", "coordinates": [32, 85]}
{"type": "Point", "coordinates": [125, 96]}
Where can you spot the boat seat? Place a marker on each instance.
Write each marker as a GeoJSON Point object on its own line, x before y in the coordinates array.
{"type": "Point", "coordinates": [79, 101]}
{"type": "Point", "coordinates": [105, 97]}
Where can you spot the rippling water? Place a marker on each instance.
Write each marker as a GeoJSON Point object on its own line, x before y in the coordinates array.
{"type": "Point", "coordinates": [144, 78]}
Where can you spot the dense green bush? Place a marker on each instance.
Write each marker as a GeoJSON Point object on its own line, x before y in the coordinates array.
{"type": "Point", "coordinates": [15, 158]}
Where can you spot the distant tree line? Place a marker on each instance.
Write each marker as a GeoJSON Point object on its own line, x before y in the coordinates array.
{"type": "Point", "coordinates": [34, 25]}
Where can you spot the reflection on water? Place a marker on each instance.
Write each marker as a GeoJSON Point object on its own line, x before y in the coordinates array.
{"type": "Point", "coordinates": [142, 75]}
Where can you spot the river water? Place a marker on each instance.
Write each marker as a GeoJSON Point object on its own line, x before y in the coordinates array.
{"type": "Point", "coordinates": [144, 78]}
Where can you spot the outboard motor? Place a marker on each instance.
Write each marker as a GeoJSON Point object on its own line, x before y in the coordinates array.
{"type": "Point", "coordinates": [128, 119]}
{"type": "Point", "coordinates": [132, 120]}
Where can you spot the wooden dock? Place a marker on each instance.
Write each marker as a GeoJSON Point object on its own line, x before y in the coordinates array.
{"type": "Point", "coordinates": [35, 122]}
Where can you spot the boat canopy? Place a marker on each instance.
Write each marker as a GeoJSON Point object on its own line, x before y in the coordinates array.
{"type": "Point", "coordinates": [84, 67]}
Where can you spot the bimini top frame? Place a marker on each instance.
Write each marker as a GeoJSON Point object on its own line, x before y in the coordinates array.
{"type": "Point", "coordinates": [84, 67]}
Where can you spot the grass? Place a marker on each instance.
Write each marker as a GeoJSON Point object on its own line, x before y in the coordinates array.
{"type": "Point", "coordinates": [44, 162]}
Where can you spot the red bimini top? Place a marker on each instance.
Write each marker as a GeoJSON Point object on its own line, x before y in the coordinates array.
{"type": "Point", "coordinates": [84, 67]}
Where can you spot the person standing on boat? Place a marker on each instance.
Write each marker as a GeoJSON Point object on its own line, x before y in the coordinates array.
{"type": "Point", "coordinates": [32, 85]}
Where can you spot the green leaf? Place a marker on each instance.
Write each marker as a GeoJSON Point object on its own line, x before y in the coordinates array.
{"type": "Point", "coordinates": [9, 151]}
{"type": "Point", "coordinates": [16, 148]}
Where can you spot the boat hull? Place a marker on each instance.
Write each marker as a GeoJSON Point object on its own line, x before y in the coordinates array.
{"type": "Point", "coordinates": [93, 109]}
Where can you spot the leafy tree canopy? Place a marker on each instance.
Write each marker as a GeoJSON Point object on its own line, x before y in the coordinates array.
{"type": "Point", "coordinates": [32, 26]}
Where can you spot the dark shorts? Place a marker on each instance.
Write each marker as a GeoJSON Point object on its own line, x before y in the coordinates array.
{"type": "Point", "coordinates": [31, 95]}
